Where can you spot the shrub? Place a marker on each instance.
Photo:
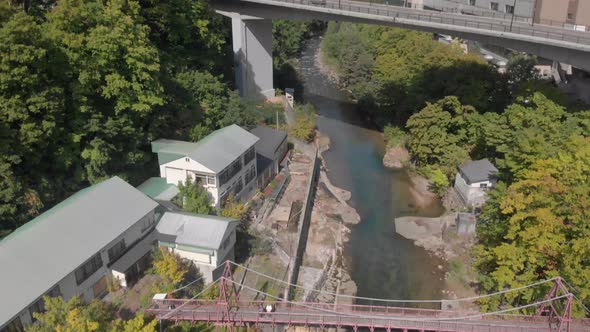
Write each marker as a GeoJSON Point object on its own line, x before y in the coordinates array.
{"type": "Point", "coordinates": [394, 136]}
{"type": "Point", "coordinates": [438, 180]}
{"type": "Point", "coordinates": [304, 127]}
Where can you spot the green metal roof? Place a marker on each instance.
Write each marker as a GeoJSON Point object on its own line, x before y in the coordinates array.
{"type": "Point", "coordinates": [216, 151]}
{"type": "Point", "coordinates": [39, 254]}
{"type": "Point", "coordinates": [158, 189]}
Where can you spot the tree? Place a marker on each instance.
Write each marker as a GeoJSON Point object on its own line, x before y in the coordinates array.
{"type": "Point", "coordinates": [199, 132]}
{"type": "Point", "coordinates": [542, 226]}
{"type": "Point", "coordinates": [304, 127]}
{"type": "Point", "coordinates": [521, 69]}
{"type": "Point", "coordinates": [233, 209]}
{"type": "Point", "coordinates": [194, 197]}
{"type": "Point", "coordinates": [438, 134]}
{"type": "Point", "coordinates": [170, 268]}
{"type": "Point", "coordinates": [137, 324]}
{"type": "Point", "coordinates": [72, 316]}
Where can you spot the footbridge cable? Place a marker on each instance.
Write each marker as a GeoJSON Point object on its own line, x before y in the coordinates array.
{"type": "Point", "coordinates": [396, 300]}
{"type": "Point", "coordinates": [401, 317]}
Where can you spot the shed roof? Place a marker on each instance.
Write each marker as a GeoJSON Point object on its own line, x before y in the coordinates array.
{"type": "Point", "coordinates": [477, 170]}
{"type": "Point", "coordinates": [40, 253]}
{"type": "Point", "coordinates": [270, 141]}
{"type": "Point", "coordinates": [216, 151]}
{"type": "Point", "coordinates": [158, 189]}
{"type": "Point", "coordinates": [195, 230]}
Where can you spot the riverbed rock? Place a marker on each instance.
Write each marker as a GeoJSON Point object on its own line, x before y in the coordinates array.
{"type": "Point", "coordinates": [396, 157]}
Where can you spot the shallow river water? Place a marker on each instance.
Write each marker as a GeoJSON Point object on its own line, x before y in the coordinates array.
{"type": "Point", "coordinates": [383, 264]}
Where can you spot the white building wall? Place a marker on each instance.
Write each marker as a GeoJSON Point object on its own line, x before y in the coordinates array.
{"type": "Point", "coordinates": [180, 169]}
{"type": "Point", "coordinates": [472, 194]}
{"type": "Point", "coordinates": [68, 285]}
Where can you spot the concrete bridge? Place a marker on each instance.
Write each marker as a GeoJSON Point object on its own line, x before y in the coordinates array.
{"type": "Point", "coordinates": [252, 32]}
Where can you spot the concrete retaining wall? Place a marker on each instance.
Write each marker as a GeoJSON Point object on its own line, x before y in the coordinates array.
{"type": "Point", "coordinates": [303, 229]}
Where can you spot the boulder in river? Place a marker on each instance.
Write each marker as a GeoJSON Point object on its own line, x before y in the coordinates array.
{"type": "Point", "coordinates": [396, 157]}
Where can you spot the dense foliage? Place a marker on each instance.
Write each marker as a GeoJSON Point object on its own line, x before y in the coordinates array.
{"type": "Point", "coordinates": [86, 86]}
{"type": "Point", "coordinates": [74, 316]}
{"type": "Point", "coordinates": [455, 108]}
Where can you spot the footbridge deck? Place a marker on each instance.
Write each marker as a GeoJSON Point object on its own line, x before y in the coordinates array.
{"type": "Point", "coordinates": [552, 314]}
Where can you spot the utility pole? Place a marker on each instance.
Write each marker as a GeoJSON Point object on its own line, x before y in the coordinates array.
{"type": "Point", "coordinates": [513, 12]}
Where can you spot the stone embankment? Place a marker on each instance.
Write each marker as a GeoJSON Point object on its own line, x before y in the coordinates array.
{"type": "Point", "coordinates": [323, 266]}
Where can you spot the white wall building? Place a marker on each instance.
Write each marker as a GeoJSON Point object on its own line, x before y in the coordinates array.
{"type": "Point", "coordinates": [224, 162]}
{"type": "Point", "coordinates": [473, 181]}
{"type": "Point", "coordinates": [70, 249]}
{"type": "Point", "coordinates": [207, 241]}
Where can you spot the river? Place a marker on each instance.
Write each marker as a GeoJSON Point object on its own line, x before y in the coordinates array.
{"type": "Point", "coordinates": [383, 264]}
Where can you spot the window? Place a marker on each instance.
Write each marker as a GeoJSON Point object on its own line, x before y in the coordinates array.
{"type": "Point", "coordinates": [483, 185]}
{"type": "Point", "coordinates": [39, 306]}
{"type": "Point", "coordinates": [230, 171]}
{"type": "Point", "coordinates": [117, 250]}
{"type": "Point", "coordinates": [472, 2]}
{"type": "Point", "coordinates": [238, 186]}
{"type": "Point", "coordinates": [211, 180]}
{"type": "Point", "coordinates": [86, 270]}
{"type": "Point", "coordinates": [509, 9]}
{"type": "Point", "coordinates": [570, 16]}
{"type": "Point", "coordinates": [494, 6]}
{"type": "Point", "coordinates": [187, 159]}
{"type": "Point", "coordinates": [14, 326]}
{"type": "Point", "coordinates": [249, 156]}
{"type": "Point", "coordinates": [146, 223]}
{"type": "Point", "coordinates": [250, 174]}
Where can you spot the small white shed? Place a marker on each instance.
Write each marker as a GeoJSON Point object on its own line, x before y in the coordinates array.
{"type": "Point", "coordinates": [473, 181]}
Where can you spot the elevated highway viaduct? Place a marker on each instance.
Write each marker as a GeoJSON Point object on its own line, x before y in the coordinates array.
{"type": "Point", "coordinates": [252, 32]}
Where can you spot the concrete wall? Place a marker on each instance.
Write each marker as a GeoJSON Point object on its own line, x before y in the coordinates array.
{"type": "Point", "coordinates": [583, 13]}
{"type": "Point", "coordinates": [303, 229]}
{"type": "Point", "coordinates": [252, 46]}
{"type": "Point", "coordinates": [551, 10]}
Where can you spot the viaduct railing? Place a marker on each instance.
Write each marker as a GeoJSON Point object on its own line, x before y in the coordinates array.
{"type": "Point", "coordinates": [379, 8]}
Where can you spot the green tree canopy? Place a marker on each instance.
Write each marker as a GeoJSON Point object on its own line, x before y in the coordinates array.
{"type": "Point", "coordinates": [538, 227]}
{"type": "Point", "coordinates": [194, 197]}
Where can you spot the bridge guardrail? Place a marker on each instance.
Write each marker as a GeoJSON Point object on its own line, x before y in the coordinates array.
{"type": "Point", "coordinates": [574, 37]}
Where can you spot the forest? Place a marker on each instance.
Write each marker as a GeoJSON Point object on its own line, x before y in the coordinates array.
{"type": "Point", "coordinates": [85, 86]}
{"type": "Point", "coordinates": [447, 107]}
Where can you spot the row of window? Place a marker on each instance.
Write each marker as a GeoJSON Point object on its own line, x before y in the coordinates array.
{"type": "Point", "coordinates": [509, 9]}
{"type": "Point", "coordinates": [39, 306]}
{"type": "Point", "coordinates": [229, 172]}
{"type": "Point", "coordinates": [251, 174]}
{"type": "Point", "coordinates": [85, 271]}
{"type": "Point", "coordinates": [233, 169]}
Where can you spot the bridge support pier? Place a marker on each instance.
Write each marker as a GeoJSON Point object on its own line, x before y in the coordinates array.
{"type": "Point", "coordinates": [252, 46]}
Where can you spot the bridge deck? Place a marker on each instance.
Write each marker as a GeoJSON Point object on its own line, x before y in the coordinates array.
{"type": "Point", "coordinates": [330, 315]}
{"type": "Point", "coordinates": [503, 25]}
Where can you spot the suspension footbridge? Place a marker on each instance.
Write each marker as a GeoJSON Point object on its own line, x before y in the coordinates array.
{"type": "Point", "coordinates": [551, 314]}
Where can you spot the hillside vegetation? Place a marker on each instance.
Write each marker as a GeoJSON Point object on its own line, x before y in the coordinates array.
{"type": "Point", "coordinates": [447, 107]}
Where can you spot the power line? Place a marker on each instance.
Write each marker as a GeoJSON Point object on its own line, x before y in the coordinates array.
{"type": "Point", "coordinates": [575, 297]}
{"type": "Point", "coordinates": [395, 300]}
{"type": "Point", "coordinates": [189, 300]}
{"type": "Point", "coordinates": [405, 318]}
